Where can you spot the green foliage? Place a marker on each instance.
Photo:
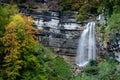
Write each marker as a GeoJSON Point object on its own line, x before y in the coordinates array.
{"type": "Point", "coordinates": [91, 68]}
{"type": "Point", "coordinates": [61, 70]}
{"type": "Point", "coordinates": [84, 7]}
{"type": "Point", "coordinates": [105, 70]}
{"type": "Point", "coordinates": [84, 76]}
{"type": "Point", "coordinates": [22, 57]}
{"type": "Point", "coordinates": [54, 67]}
{"type": "Point", "coordinates": [114, 22]}
{"type": "Point", "coordinates": [93, 63]}
{"type": "Point", "coordinates": [38, 0]}
{"type": "Point", "coordinates": [109, 32]}
{"type": "Point", "coordinates": [80, 17]}
{"type": "Point", "coordinates": [65, 5]}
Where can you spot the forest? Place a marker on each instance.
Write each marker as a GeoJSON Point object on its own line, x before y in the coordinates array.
{"type": "Point", "coordinates": [23, 57]}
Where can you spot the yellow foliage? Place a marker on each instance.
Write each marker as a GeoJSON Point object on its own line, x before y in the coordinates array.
{"type": "Point", "coordinates": [19, 42]}
{"type": "Point", "coordinates": [18, 20]}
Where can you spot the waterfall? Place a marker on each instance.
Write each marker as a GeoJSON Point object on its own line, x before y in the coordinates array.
{"type": "Point", "coordinates": [86, 50]}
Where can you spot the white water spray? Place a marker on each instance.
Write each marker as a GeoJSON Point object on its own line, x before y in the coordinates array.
{"type": "Point", "coordinates": [86, 50]}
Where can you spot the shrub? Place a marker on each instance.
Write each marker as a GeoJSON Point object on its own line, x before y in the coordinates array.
{"type": "Point", "coordinates": [106, 69]}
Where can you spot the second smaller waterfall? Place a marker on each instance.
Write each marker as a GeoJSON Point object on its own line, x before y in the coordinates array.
{"type": "Point", "coordinates": [86, 50]}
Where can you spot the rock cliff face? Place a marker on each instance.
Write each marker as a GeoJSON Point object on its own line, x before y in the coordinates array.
{"type": "Point", "coordinates": [60, 30]}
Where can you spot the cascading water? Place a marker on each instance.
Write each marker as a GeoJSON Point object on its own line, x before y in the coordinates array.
{"type": "Point", "coordinates": [86, 50]}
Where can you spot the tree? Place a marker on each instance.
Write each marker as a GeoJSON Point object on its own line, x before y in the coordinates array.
{"type": "Point", "coordinates": [22, 56]}
{"type": "Point", "coordinates": [5, 13]}
{"type": "Point", "coordinates": [12, 55]}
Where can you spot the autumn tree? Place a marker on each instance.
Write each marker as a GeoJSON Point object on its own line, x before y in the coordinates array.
{"type": "Point", "coordinates": [11, 50]}
{"type": "Point", "coordinates": [5, 13]}
{"type": "Point", "coordinates": [22, 56]}
{"type": "Point", "coordinates": [19, 44]}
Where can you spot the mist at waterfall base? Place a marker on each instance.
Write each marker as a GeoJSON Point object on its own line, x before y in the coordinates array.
{"type": "Point", "coordinates": [86, 50]}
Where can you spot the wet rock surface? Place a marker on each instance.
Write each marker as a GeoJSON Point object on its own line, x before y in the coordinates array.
{"type": "Point", "coordinates": [58, 30]}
